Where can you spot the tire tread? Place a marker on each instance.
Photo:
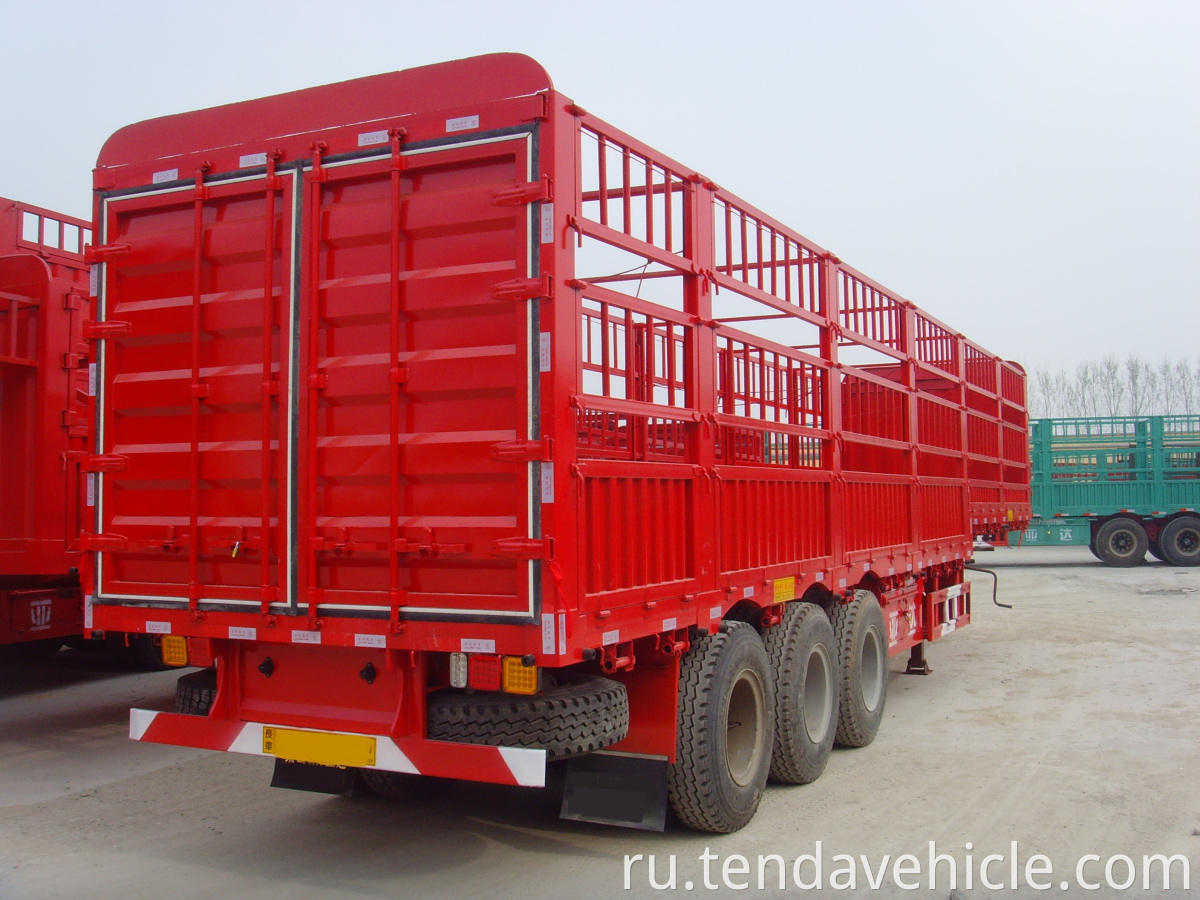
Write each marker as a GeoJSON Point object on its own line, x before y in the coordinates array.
{"type": "Point", "coordinates": [853, 730]}
{"type": "Point", "coordinates": [787, 762]}
{"type": "Point", "coordinates": [195, 692]}
{"type": "Point", "coordinates": [1169, 545]}
{"type": "Point", "coordinates": [579, 716]}
{"type": "Point", "coordinates": [692, 785]}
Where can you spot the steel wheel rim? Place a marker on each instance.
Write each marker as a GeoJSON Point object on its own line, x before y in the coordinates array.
{"type": "Point", "coordinates": [818, 694]}
{"type": "Point", "coordinates": [744, 727]}
{"type": "Point", "coordinates": [1187, 541]}
{"type": "Point", "coordinates": [1123, 543]}
{"type": "Point", "coordinates": [872, 671]}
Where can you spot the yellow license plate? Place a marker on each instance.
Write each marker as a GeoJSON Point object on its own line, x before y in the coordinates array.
{"type": "Point", "coordinates": [785, 589]}
{"type": "Point", "coordinates": [318, 747]}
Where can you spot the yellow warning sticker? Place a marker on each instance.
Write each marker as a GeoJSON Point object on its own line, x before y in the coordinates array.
{"type": "Point", "coordinates": [785, 589]}
{"type": "Point", "coordinates": [319, 747]}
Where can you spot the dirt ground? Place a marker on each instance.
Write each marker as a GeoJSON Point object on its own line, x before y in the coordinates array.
{"type": "Point", "coordinates": [1068, 724]}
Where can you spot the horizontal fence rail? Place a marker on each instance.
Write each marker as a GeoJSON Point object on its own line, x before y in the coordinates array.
{"type": "Point", "coordinates": [823, 414]}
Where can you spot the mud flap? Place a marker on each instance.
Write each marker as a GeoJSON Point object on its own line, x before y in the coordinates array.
{"type": "Point", "coordinates": [300, 776]}
{"type": "Point", "coordinates": [624, 789]}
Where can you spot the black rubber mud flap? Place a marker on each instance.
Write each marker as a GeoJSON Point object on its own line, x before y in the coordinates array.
{"type": "Point", "coordinates": [300, 776]}
{"type": "Point", "coordinates": [624, 789]}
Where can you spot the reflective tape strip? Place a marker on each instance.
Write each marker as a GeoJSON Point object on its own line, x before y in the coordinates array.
{"type": "Point", "coordinates": [139, 721]}
{"type": "Point", "coordinates": [527, 766]}
{"type": "Point", "coordinates": [521, 766]}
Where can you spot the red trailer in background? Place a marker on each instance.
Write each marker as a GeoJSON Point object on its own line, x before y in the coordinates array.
{"type": "Point", "coordinates": [43, 413]}
{"type": "Point", "coordinates": [454, 430]}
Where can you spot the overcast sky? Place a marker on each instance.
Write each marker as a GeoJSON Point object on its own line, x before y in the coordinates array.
{"type": "Point", "coordinates": [1027, 171]}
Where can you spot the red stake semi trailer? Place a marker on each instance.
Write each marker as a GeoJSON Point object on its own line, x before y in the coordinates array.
{"type": "Point", "coordinates": [451, 430]}
{"type": "Point", "coordinates": [44, 388]}
{"type": "Point", "coordinates": [43, 411]}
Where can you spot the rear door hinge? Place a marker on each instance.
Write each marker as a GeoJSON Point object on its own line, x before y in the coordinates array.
{"type": "Point", "coordinates": [539, 108]}
{"type": "Point", "coordinates": [525, 289]}
{"type": "Point", "coordinates": [524, 451]}
{"type": "Point", "coordinates": [105, 252]}
{"type": "Point", "coordinates": [100, 331]}
{"type": "Point", "coordinates": [524, 548]}
{"type": "Point", "coordinates": [530, 192]}
{"type": "Point", "coordinates": [103, 462]}
{"type": "Point", "coordinates": [102, 543]}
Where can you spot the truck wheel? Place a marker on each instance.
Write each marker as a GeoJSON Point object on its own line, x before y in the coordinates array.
{"type": "Point", "coordinates": [726, 730]}
{"type": "Point", "coordinates": [803, 654]}
{"type": "Point", "coordinates": [1180, 541]}
{"type": "Point", "coordinates": [142, 651]}
{"type": "Point", "coordinates": [403, 786]}
{"type": "Point", "coordinates": [195, 692]}
{"type": "Point", "coordinates": [581, 714]}
{"type": "Point", "coordinates": [146, 652]}
{"type": "Point", "coordinates": [863, 656]}
{"type": "Point", "coordinates": [1094, 551]}
{"type": "Point", "coordinates": [1122, 543]}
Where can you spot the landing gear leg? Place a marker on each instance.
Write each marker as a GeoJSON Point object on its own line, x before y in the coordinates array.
{"type": "Point", "coordinates": [917, 664]}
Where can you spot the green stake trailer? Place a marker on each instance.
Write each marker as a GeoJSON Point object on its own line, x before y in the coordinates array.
{"type": "Point", "coordinates": [1122, 485]}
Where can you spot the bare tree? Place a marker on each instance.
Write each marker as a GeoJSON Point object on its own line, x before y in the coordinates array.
{"type": "Point", "coordinates": [1168, 387]}
{"type": "Point", "coordinates": [1141, 386]}
{"type": "Point", "coordinates": [1063, 394]}
{"type": "Point", "coordinates": [1038, 395]}
{"type": "Point", "coordinates": [1108, 387]}
{"type": "Point", "coordinates": [1086, 380]}
{"type": "Point", "coordinates": [1111, 386]}
{"type": "Point", "coordinates": [1189, 386]}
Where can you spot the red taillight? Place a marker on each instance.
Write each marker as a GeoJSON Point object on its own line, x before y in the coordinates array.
{"type": "Point", "coordinates": [199, 652]}
{"type": "Point", "coordinates": [483, 672]}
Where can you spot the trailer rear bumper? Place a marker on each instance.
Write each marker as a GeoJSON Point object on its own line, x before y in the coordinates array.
{"type": "Point", "coordinates": [521, 766]}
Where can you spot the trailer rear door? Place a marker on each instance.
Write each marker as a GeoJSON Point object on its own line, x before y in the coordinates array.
{"type": "Point", "coordinates": [396, 366]}
{"type": "Point", "coordinates": [419, 372]}
{"type": "Point", "coordinates": [193, 392]}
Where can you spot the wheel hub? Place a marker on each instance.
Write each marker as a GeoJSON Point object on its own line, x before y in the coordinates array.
{"type": "Point", "coordinates": [744, 727]}
{"type": "Point", "coordinates": [1122, 543]}
{"type": "Point", "coordinates": [818, 695]}
{"type": "Point", "coordinates": [873, 671]}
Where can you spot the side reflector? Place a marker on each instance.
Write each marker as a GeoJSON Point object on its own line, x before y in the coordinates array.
{"type": "Point", "coordinates": [174, 650]}
{"type": "Point", "coordinates": [484, 672]}
{"type": "Point", "coordinates": [458, 670]}
{"type": "Point", "coordinates": [519, 678]}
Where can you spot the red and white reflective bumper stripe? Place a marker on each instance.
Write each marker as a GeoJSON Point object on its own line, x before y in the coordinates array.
{"type": "Point", "coordinates": [502, 765]}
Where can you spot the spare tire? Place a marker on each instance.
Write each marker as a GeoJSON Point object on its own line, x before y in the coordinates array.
{"type": "Point", "coordinates": [195, 692]}
{"type": "Point", "coordinates": [580, 714]}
